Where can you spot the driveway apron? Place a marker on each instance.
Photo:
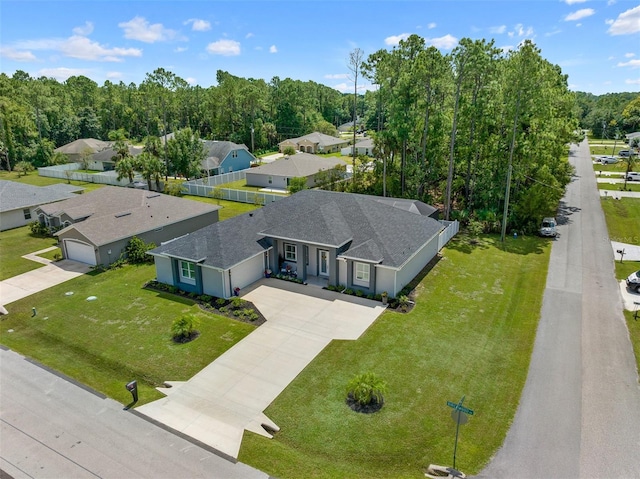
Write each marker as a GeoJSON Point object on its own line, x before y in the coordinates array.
{"type": "Point", "coordinates": [230, 395]}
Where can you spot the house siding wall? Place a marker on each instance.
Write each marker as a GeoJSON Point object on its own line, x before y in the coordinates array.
{"type": "Point", "coordinates": [385, 280]}
{"type": "Point", "coordinates": [240, 162]}
{"type": "Point", "coordinates": [213, 282]}
{"type": "Point", "coordinates": [164, 273]}
{"type": "Point", "coordinates": [247, 272]}
{"type": "Point", "coordinates": [415, 265]}
{"type": "Point", "coordinates": [15, 219]}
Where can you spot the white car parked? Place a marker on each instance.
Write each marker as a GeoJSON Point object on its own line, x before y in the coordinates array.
{"type": "Point", "coordinates": [633, 176]}
{"type": "Point", "coordinates": [606, 160]}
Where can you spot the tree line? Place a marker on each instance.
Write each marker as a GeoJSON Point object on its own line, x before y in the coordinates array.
{"type": "Point", "coordinates": [469, 131]}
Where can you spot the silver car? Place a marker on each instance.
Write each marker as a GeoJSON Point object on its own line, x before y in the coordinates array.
{"type": "Point", "coordinates": [548, 227]}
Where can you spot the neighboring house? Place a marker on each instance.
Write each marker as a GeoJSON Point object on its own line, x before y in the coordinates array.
{"type": "Point", "coordinates": [18, 201]}
{"type": "Point", "coordinates": [278, 174]}
{"type": "Point", "coordinates": [96, 226]}
{"type": "Point", "coordinates": [348, 126]}
{"type": "Point", "coordinates": [225, 157]}
{"type": "Point", "coordinates": [103, 160]}
{"type": "Point", "coordinates": [363, 147]}
{"type": "Point", "coordinates": [363, 242]}
{"type": "Point", "coordinates": [84, 147]}
{"type": "Point", "coordinates": [314, 143]}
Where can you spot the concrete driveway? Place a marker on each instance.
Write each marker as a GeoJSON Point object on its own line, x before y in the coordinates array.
{"type": "Point", "coordinates": [230, 395]}
{"type": "Point", "coordinates": [51, 274]}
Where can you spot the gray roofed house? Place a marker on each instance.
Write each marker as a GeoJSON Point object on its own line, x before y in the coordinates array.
{"type": "Point", "coordinates": [225, 157]}
{"type": "Point", "coordinates": [363, 147]}
{"type": "Point", "coordinates": [333, 238]}
{"type": "Point", "coordinates": [315, 142]}
{"type": "Point", "coordinates": [277, 174]}
{"type": "Point", "coordinates": [95, 227]}
{"type": "Point", "coordinates": [81, 147]}
{"type": "Point", "coordinates": [103, 159]}
{"type": "Point", "coordinates": [18, 201]}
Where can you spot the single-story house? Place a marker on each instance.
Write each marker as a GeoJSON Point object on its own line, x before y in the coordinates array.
{"type": "Point", "coordinates": [225, 157]}
{"type": "Point", "coordinates": [95, 227]}
{"type": "Point", "coordinates": [314, 143]}
{"type": "Point", "coordinates": [278, 174]}
{"type": "Point", "coordinates": [362, 242]}
{"type": "Point", "coordinates": [103, 160]}
{"type": "Point", "coordinates": [363, 147]}
{"type": "Point", "coordinates": [348, 126]}
{"type": "Point", "coordinates": [82, 148]}
{"type": "Point", "coordinates": [18, 201]}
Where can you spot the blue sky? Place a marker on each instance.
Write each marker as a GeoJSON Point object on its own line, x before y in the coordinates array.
{"type": "Point", "coordinates": [596, 43]}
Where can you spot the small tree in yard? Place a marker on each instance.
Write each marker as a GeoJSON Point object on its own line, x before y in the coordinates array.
{"type": "Point", "coordinates": [297, 184]}
{"type": "Point", "coordinates": [136, 251]}
{"type": "Point", "coordinates": [184, 329]}
{"type": "Point", "coordinates": [288, 151]}
{"type": "Point", "coordinates": [364, 393]}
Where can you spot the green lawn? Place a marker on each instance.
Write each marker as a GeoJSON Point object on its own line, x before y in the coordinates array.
{"type": "Point", "coordinates": [123, 335]}
{"type": "Point", "coordinates": [471, 333]}
{"type": "Point", "coordinates": [229, 208]}
{"type": "Point", "coordinates": [618, 186]}
{"type": "Point", "coordinates": [17, 242]}
{"type": "Point", "coordinates": [34, 179]}
{"type": "Point", "coordinates": [623, 219]}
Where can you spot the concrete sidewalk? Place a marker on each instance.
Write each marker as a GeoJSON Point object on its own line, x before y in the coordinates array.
{"type": "Point", "coordinates": [230, 395]}
{"type": "Point", "coordinates": [31, 282]}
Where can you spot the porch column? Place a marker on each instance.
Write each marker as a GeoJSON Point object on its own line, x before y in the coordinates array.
{"type": "Point", "coordinates": [302, 261]}
{"type": "Point", "coordinates": [333, 267]}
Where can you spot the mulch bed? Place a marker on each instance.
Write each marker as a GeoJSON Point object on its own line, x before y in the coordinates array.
{"type": "Point", "coordinates": [370, 408]}
{"type": "Point", "coordinates": [213, 306]}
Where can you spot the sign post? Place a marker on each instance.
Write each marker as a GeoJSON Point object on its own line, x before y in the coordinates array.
{"type": "Point", "coordinates": [459, 415]}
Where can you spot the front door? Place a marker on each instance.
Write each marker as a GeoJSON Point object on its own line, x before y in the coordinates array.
{"type": "Point", "coordinates": [324, 262]}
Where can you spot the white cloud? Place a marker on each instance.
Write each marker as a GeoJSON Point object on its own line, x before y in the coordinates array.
{"type": "Point", "coordinates": [180, 49]}
{"type": "Point", "coordinates": [138, 28]}
{"type": "Point", "coordinates": [629, 55]}
{"type": "Point", "coordinates": [18, 56]}
{"type": "Point", "coordinates": [198, 25]}
{"type": "Point", "coordinates": [579, 14]}
{"type": "Point", "coordinates": [552, 33]}
{"type": "Point", "coordinates": [62, 74]}
{"type": "Point", "coordinates": [520, 31]}
{"type": "Point", "coordinates": [571, 2]}
{"type": "Point", "coordinates": [431, 25]}
{"type": "Point", "coordinates": [226, 48]}
{"type": "Point", "coordinates": [85, 30]}
{"type": "Point", "coordinates": [446, 42]}
{"type": "Point", "coordinates": [191, 80]}
{"type": "Point", "coordinates": [635, 81]}
{"type": "Point", "coordinates": [628, 22]}
{"type": "Point", "coordinates": [337, 76]}
{"type": "Point", "coordinates": [114, 75]}
{"type": "Point", "coordinates": [273, 49]}
{"type": "Point", "coordinates": [395, 39]}
{"type": "Point", "coordinates": [341, 87]}
{"type": "Point", "coordinates": [500, 29]}
{"type": "Point", "coordinates": [630, 63]}
{"type": "Point", "coordinates": [85, 49]}
{"type": "Point", "coordinates": [248, 35]}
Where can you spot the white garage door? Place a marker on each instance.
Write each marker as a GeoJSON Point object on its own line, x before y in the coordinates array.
{"type": "Point", "coordinates": [80, 252]}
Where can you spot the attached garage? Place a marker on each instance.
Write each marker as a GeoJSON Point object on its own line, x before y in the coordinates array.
{"type": "Point", "coordinates": [79, 251]}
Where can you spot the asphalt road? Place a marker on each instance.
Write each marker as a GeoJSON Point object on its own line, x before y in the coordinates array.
{"type": "Point", "coordinates": [51, 428]}
{"type": "Point", "coordinates": [579, 414]}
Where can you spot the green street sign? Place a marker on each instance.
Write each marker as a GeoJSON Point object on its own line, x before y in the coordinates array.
{"type": "Point", "coordinates": [460, 407]}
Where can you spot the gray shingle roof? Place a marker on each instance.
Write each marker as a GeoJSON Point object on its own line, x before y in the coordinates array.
{"type": "Point", "coordinates": [374, 231]}
{"type": "Point", "coordinates": [320, 138]}
{"type": "Point", "coordinates": [14, 195]}
{"type": "Point", "coordinates": [78, 147]}
{"type": "Point", "coordinates": [116, 213]}
{"type": "Point", "coordinates": [108, 153]}
{"type": "Point", "coordinates": [298, 165]}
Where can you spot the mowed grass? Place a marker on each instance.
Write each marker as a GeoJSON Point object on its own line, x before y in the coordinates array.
{"type": "Point", "coordinates": [471, 333]}
{"type": "Point", "coordinates": [14, 244]}
{"type": "Point", "coordinates": [228, 209]}
{"type": "Point", "coordinates": [619, 186]}
{"type": "Point", "coordinates": [124, 334]}
{"type": "Point", "coordinates": [33, 178]}
{"type": "Point", "coordinates": [623, 219]}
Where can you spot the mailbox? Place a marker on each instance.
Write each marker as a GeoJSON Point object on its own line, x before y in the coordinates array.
{"type": "Point", "coordinates": [132, 387]}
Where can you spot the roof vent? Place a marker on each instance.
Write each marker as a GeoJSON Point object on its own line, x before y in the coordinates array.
{"type": "Point", "coordinates": [120, 215]}
{"type": "Point", "coordinates": [251, 214]}
{"type": "Point", "coordinates": [153, 196]}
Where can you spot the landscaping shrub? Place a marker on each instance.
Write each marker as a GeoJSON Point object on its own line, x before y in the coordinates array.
{"type": "Point", "coordinates": [365, 392]}
{"type": "Point", "coordinates": [237, 302]}
{"type": "Point", "coordinates": [136, 251]}
{"type": "Point", "coordinates": [184, 329]}
{"type": "Point", "coordinates": [220, 302]}
{"type": "Point", "coordinates": [38, 229]}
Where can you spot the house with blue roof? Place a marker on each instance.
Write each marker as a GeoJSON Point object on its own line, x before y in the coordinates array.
{"type": "Point", "coordinates": [362, 242]}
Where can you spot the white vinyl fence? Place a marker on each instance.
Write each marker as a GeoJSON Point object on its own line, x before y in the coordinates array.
{"type": "Point", "coordinates": [208, 187]}
{"type": "Point", "coordinates": [69, 172]}
{"type": "Point", "coordinates": [450, 230]}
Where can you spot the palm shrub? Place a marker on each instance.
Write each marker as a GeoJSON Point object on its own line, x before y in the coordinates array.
{"type": "Point", "coordinates": [184, 329]}
{"type": "Point", "coordinates": [366, 389]}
